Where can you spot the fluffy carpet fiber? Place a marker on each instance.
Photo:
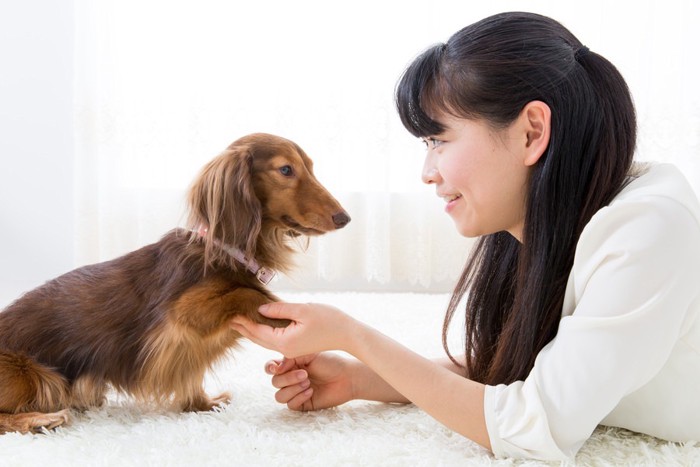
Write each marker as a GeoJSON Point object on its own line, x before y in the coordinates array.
{"type": "Point", "coordinates": [255, 430]}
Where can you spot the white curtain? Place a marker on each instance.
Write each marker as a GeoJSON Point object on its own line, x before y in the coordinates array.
{"type": "Point", "coordinates": [162, 87]}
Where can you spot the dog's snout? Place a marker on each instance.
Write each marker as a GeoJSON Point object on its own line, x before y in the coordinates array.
{"type": "Point", "coordinates": [341, 219]}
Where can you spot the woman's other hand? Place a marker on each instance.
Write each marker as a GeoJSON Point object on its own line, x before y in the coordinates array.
{"type": "Point", "coordinates": [312, 382]}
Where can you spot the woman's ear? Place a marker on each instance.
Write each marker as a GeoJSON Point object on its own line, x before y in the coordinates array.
{"type": "Point", "coordinates": [535, 118]}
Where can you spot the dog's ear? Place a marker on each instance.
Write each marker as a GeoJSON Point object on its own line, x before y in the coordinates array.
{"type": "Point", "coordinates": [222, 201]}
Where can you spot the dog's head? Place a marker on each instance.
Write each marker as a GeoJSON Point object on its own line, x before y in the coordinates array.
{"type": "Point", "coordinates": [260, 191]}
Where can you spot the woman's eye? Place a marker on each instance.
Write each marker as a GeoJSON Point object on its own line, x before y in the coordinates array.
{"type": "Point", "coordinates": [431, 143]}
{"type": "Point", "coordinates": [286, 170]}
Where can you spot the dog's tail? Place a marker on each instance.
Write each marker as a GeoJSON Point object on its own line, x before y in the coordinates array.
{"type": "Point", "coordinates": [28, 386]}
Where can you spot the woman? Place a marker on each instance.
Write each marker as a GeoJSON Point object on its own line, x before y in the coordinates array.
{"type": "Point", "coordinates": [582, 292]}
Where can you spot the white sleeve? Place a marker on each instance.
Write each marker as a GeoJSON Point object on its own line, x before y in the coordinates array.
{"type": "Point", "coordinates": [634, 277]}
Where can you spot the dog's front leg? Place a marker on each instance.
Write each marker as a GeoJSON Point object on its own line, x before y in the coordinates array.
{"type": "Point", "coordinates": [245, 302]}
{"type": "Point", "coordinates": [198, 334]}
{"type": "Point", "coordinates": [208, 308]}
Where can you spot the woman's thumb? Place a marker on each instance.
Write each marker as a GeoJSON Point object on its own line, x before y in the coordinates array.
{"type": "Point", "coordinates": [278, 310]}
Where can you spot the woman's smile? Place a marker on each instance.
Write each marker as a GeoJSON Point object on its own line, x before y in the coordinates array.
{"type": "Point", "coordinates": [452, 201]}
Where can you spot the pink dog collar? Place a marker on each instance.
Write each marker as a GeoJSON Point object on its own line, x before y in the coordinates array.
{"type": "Point", "coordinates": [263, 274]}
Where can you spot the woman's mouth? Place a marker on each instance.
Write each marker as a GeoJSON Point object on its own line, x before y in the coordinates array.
{"type": "Point", "coordinates": [451, 200]}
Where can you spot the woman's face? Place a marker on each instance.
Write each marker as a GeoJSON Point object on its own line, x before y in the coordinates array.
{"type": "Point", "coordinates": [480, 174]}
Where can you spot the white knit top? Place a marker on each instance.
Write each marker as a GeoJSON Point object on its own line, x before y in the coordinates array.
{"type": "Point", "coordinates": [627, 353]}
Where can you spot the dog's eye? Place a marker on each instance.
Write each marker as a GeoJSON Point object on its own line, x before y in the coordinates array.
{"type": "Point", "coordinates": [286, 170]}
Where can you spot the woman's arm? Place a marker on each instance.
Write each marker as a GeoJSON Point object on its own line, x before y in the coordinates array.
{"type": "Point", "coordinates": [319, 381]}
{"type": "Point", "coordinates": [448, 397]}
{"type": "Point", "coordinates": [453, 400]}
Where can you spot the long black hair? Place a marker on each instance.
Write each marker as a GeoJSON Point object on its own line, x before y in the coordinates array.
{"type": "Point", "coordinates": [489, 71]}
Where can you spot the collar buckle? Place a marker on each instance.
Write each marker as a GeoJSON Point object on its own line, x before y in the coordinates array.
{"type": "Point", "coordinates": [265, 275]}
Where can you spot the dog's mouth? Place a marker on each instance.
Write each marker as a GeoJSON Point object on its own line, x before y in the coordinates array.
{"type": "Point", "coordinates": [298, 229]}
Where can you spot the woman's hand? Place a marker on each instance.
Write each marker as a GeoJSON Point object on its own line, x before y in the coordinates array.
{"type": "Point", "coordinates": [314, 328]}
{"type": "Point", "coordinates": [312, 382]}
{"type": "Point", "coordinates": [386, 370]}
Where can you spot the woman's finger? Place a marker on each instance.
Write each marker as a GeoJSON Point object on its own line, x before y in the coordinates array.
{"type": "Point", "coordinates": [289, 378]}
{"type": "Point", "coordinates": [261, 334]}
{"type": "Point", "coordinates": [288, 393]}
{"type": "Point", "coordinates": [302, 401]}
{"type": "Point", "coordinates": [288, 364]}
{"type": "Point", "coordinates": [272, 367]}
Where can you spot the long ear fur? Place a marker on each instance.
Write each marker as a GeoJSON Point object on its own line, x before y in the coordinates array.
{"type": "Point", "coordinates": [223, 201]}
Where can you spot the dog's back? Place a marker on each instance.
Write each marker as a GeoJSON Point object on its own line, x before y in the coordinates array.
{"type": "Point", "coordinates": [95, 319]}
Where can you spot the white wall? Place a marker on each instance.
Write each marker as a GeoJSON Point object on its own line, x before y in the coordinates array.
{"type": "Point", "coordinates": [36, 143]}
{"type": "Point", "coordinates": [37, 227]}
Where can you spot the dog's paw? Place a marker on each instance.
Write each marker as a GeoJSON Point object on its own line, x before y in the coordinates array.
{"type": "Point", "coordinates": [36, 422]}
{"type": "Point", "coordinates": [275, 323]}
{"type": "Point", "coordinates": [55, 419]}
{"type": "Point", "coordinates": [205, 404]}
{"type": "Point", "coordinates": [222, 399]}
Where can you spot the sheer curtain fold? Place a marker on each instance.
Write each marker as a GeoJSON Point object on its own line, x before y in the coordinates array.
{"type": "Point", "coordinates": [162, 87]}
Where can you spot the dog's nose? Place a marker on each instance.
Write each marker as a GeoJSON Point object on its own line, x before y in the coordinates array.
{"type": "Point", "coordinates": [341, 219]}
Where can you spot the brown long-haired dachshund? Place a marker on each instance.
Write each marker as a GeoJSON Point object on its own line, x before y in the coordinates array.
{"type": "Point", "coordinates": [152, 322]}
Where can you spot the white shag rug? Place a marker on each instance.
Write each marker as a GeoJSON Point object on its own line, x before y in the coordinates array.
{"type": "Point", "coordinates": [255, 430]}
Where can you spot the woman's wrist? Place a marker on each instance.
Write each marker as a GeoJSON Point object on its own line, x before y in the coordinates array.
{"type": "Point", "coordinates": [365, 384]}
{"type": "Point", "coordinates": [351, 331]}
{"type": "Point", "coordinates": [356, 371]}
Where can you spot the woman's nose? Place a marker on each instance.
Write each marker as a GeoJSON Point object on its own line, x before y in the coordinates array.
{"type": "Point", "coordinates": [430, 172]}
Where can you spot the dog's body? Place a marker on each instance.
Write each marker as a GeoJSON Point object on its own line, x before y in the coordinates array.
{"type": "Point", "coordinates": [152, 322]}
